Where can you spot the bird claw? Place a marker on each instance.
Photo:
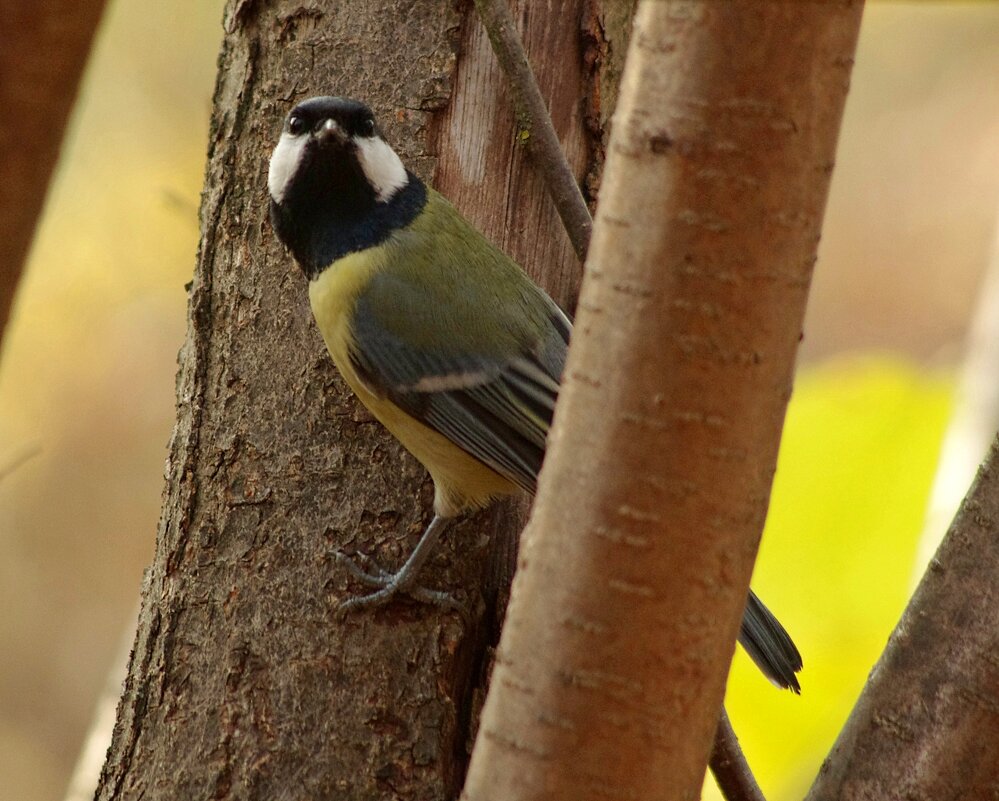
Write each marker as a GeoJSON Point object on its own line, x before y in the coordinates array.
{"type": "Point", "coordinates": [389, 586]}
{"type": "Point", "coordinates": [378, 579]}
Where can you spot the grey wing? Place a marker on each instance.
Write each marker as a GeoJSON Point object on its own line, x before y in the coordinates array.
{"type": "Point", "coordinates": [497, 410]}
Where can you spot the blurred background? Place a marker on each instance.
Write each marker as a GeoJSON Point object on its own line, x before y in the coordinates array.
{"type": "Point", "coordinates": [87, 373]}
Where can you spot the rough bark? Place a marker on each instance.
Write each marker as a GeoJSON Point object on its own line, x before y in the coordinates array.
{"type": "Point", "coordinates": [926, 727]}
{"type": "Point", "coordinates": [241, 683]}
{"type": "Point", "coordinates": [45, 46]}
{"type": "Point", "coordinates": [655, 490]}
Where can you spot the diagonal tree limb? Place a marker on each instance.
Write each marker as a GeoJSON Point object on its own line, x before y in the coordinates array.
{"type": "Point", "coordinates": [45, 48]}
{"type": "Point", "coordinates": [540, 136]}
{"type": "Point", "coordinates": [729, 766]}
{"type": "Point", "coordinates": [727, 761]}
{"type": "Point", "coordinates": [927, 723]}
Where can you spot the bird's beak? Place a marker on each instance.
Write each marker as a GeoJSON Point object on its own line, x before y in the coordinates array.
{"type": "Point", "coordinates": [329, 129]}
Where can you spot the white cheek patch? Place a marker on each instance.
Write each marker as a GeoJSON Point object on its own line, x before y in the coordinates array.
{"type": "Point", "coordinates": [284, 163]}
{"type": "Point", "coordinates": [382, 167]}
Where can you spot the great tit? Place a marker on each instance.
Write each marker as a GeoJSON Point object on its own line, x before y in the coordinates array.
{"type": "Point", "coordinates": [440, 335]}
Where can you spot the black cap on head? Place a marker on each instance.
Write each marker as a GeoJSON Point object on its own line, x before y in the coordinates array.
{"type": "Point", "coordinates": [351, 115]}
{"type": "Point", "coordinates": [335, 185]}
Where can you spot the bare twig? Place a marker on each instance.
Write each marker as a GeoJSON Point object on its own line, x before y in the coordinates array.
{"type": "Point", "coordinates": [729, 766]}
{"type": "Point", "coordinates": [18, 460]}
{"type": "Point", "coordinates": [541, 140]}
{"type": "Point", "coordinates": [727, 762]}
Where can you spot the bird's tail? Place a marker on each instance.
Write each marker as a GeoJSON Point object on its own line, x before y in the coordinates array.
{"type": "Point", "coordinates": [769, 645]}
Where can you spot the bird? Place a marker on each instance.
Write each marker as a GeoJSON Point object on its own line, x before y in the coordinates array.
{"type": "Point", "coordinates": [442, 336]}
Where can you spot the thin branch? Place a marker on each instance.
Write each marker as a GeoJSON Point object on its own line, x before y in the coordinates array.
{"type": "Point", "coordinates": [18, 460]}
{"type": "Point", "coordinates": [541, 140]}
{"type": "Point", "coordinates": [729, 766]}
{"type": "Point", "coordinates": [728, 763]}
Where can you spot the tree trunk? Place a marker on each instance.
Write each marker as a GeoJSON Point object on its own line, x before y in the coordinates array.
{"type": "Point", "coordinates": [45, 47]}
{"type": "Point", "coordinates": [926, 727]}
{"type": "Point", "coordinates": [655, 490]}
{"type": "Point", "coordinates": [241, 683]}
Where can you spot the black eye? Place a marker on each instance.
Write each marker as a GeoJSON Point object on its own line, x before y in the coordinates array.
{"type": "Point", "coordinates": [296, 126]}
{"type": "Point", "coordinates": [367, 127]}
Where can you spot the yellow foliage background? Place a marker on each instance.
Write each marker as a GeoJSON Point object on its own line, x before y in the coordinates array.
{"type": "Point", "coordinates": [87, 373]}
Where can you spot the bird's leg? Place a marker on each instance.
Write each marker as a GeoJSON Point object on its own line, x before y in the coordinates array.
{"type": "Point", "coordinates": [403, 580]}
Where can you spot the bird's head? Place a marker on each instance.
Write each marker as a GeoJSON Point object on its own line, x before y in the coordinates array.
{"type": "Point", "coordinates": [333, 144]}
{"type": "Point", "coordinates": [335, 184]}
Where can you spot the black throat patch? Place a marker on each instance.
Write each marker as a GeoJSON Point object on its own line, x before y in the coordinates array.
{"type": "Point", "coordinates": [330, 210]}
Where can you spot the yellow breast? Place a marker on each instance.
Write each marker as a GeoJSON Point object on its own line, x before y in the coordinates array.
{"type": "Point", "coordinates": [461, 482]}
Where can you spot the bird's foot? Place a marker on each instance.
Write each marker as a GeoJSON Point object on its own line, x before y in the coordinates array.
{"type": "Point", "coordinates": [388, 587]}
